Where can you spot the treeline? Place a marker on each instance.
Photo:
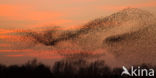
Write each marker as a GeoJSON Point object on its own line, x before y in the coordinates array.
{"type": "Point", "coordinates": [63, 69]}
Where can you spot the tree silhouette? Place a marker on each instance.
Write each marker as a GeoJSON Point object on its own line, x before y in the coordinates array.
{"type": "Point", "coordinates": [64, 69]}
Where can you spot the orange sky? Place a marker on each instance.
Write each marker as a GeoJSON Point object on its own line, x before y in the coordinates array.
{"type": "Point", "coordinates": [23, 14]}
{"type": "Point", "coordinates": [39, 13]}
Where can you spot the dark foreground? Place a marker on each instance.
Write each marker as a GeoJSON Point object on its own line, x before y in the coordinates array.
{"type": "Point", "coordinates": [64, 69]}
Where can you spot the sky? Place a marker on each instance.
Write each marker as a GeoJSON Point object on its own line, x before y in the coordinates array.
{"type": "Point", "coordinates": [32, 14]}
{"type": "Point", "coordinates": [38, 13]}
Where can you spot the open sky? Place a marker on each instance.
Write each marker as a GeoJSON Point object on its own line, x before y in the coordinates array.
{"type": "Point", "coordinates": [38, 13]}
{"type": "Point", "coordinates": [28, 14]}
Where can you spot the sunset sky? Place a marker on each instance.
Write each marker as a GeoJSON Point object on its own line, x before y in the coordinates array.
{"type": "Point", "coordinates": [39, 13]}
{"type": "Point", "coordinates": [30, 14]}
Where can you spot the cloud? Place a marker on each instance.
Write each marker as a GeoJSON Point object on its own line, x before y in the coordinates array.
{"type": "Point", "coordinates": [43, 54]}
{"type": "Point", "coordinates": [10, 37]}
{"type": "Point", "coordinates": [24, 50]}
{"type": "Point", "coordinates": [5, 31]}
{"type": "Point", "coordinates": [15, 55]}
{"type": "Point", "coordinates": [46, 54]}
{"type": "Point", "coordinates": [4, 45]}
